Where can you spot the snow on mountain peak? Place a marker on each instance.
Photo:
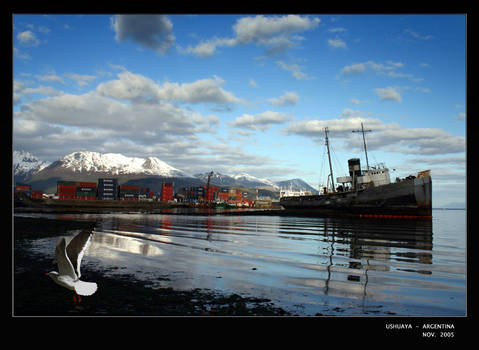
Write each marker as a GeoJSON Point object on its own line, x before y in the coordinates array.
{"type": "Point", "coordinates": [246, 177]}
{"type": "Point", "coordinates": [115, 164]}
{"type": "Point", "coordinates": [25, 163]}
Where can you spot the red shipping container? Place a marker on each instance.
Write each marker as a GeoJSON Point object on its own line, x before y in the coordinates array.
{"type": "Point", "coordinates": [86, 184]}
{"type": "Point", "coordinates": [37, 194]}
{"type": "Point", "coordinates": [66, 188]}
{"type": "Point", "coordinates": [129, 187]}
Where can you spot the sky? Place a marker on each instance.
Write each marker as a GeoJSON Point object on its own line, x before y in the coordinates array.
{"type": "Point", "coordinates": [248, 93]}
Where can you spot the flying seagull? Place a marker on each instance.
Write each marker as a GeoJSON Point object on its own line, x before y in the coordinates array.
{"type": "Point", "coordinates": [68, 260]}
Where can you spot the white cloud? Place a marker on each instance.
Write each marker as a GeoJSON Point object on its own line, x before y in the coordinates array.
{"type": "Point", "coordinates": [417, 35]}
{"type": "Point", "coordinates": [119, 116]}
{"type": "Point", "coordinates": [51, 77]}
{"type": "Point", "coordinates": [352, 69]}
{"type": "Point", "coordinates": [390, 137]}
{"type": "Point", "coordinates": [287, 99]}
{"type": "Point", "coordinates": [138, 88]}
{"type": "Point", "coordinates": [337, 43]}
{"type": "Point", "coordinates": [266, 30]}
{"type": "Point", "coordinates": [390, 69]}
{"type": "Point", "coordinates": [461, 116]}
{"type": "Point", "coordinates": [275, 33]}
{"type": "Point", "coordinates": [130, 86]}
{"type": "Point", "coordinates": [20, 54]}
{"type": "Point", "coordinates": [28, 38]}
{"type": "Point", "coordinates": [81, 80]}
{"type": "Point", "coordinates": [337, 30]}
{"type": "Point", "coordinates": [357, 102]}
{"type": "Point", "coordinates": [261, 121]}
{"type": "Point", "coordinates": [204, 90]}
{"type": "Point", "coordinates": [252, 83]}
{"type": "Point", "coordinates": [294, 69]}
{"type": "Point", "coordinates": [388, 93]}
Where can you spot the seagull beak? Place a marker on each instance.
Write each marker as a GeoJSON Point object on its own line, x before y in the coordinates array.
{"type": "Point", "coordinates": [46, 274]}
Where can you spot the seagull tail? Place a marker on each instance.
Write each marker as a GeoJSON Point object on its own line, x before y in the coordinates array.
{"type": "Point", "coordinates": [85, 288]}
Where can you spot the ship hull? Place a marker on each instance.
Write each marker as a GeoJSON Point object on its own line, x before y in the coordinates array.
{"type": "Point", "coordinates": [408, 198]}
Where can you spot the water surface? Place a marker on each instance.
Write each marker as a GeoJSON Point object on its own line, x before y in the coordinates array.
{"type": "Point", "coordinates": [332, 266]}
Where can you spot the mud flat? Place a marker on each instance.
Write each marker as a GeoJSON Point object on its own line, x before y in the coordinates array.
{"type": "Point", "coordinates": [36, 295]}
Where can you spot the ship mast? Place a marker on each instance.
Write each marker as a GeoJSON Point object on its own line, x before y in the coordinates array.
{"type": "Point", "coordinates": [364, 142]}
{"type": "Point", "coordinates": [329, 156]}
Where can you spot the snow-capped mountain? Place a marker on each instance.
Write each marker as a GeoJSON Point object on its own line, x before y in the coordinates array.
{"type": "Point", "coordinates": [296, 185]}
{"type": "Point", "coordinates": [217, 179]}
{"type": "Point", "coordinates": [25, 165]}
{"type": "Point", "coordinates": [115, 164]}
{"type": "Point", "coordinates": [253, 181]}
{"type": "Point", "coordinates": [241, 179]}
{"type": "Point", "coordinates": [146, 172]}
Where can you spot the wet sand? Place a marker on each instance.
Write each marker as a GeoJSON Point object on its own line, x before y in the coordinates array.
{"type": "Point", "coordinates": [37, 295]}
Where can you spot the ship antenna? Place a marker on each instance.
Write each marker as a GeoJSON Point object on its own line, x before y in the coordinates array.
{"type": "Point", "coordinates": [364, 142]}
{"type": "Point", "coordinates": [329, 157]}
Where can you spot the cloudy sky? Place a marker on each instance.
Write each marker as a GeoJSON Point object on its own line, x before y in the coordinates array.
{"type": "Point", "coordinates": [247, 93]}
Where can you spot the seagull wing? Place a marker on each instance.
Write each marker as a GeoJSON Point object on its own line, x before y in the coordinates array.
{"type": "Point", "coordinates": [76, 249]}
{"type": "Point", "coordinates": [65, 266]}
{"type": "Point", "coordinates": [85, 288]}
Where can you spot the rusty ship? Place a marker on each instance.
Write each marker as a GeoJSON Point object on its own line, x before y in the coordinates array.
{"type": "Point", "coordinates": [366, 193]}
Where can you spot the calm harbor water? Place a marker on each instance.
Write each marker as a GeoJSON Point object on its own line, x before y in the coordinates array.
{"type": "Point", "coordinates": [332, 266]}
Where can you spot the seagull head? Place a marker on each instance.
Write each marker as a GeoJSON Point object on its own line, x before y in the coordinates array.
{"type": "Point", "coordinates": [53, 275]}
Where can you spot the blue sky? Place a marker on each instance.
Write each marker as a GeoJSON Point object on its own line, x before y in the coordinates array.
{"type": "Point", "coordinates": [252, 93]}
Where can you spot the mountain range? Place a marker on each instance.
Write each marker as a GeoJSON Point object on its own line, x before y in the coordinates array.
{"type": "Point", "coordinates": [145, 172]}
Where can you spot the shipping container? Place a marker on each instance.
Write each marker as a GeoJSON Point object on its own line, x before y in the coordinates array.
{"type": "Point", "coordinates": [86, 189]}
{"type": "Point", "coordinates": [223, 196]}
{"type": "Point", "coordinates": [166, 192]}
{"type": "Point", "coordinates": [130, 187]}
{"type": "Point", "coordinates": [107, 189]}
{"type": "Point", "coordinates": [86, 184]}
{"type": "Point", "coordinates": [37, 194]}
{"type": "Point", "coordinates": [22, 188]}
{"type": "Point", "coordinates": [68, 183]}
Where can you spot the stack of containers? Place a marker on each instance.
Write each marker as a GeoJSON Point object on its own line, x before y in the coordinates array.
{"type": "Point", "coordinates": [166, 192]}
{"type": "Point", "coordinates": [199, 193]}
{"type": "Point", "coordinates": [239, 196]}
{"type": "Point", "coordinates": [129, 192]}
{"type": "Point", "coordinates": [85, 190]}
{"type": "Point", "coordinates": [211, 193]}
{"type": "Point", "coordinates": [108, 189]}
{"type": "Point", "coordinates": [23, 188]}
{"type": "Point", "coordinates": [146, 192]}
{"type": "Point", "coordinates": [223, 195]}
{"type": "Point", "coordinates": [232, 195]}
{"type": "Point", "coordinates": [66, 189]}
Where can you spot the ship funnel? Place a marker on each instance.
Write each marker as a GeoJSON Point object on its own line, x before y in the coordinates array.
{"type": "Point", "coordinates": [354, 170]}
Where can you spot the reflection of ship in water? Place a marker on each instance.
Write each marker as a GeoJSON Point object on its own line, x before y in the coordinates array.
{"type": "Point", "coordinates": [356, 249]}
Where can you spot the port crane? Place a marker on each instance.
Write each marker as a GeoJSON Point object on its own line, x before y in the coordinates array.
{"type": "Point", "coordinates": [208, 185]}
